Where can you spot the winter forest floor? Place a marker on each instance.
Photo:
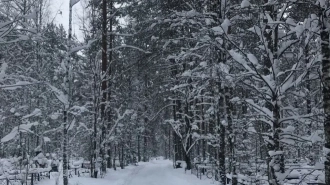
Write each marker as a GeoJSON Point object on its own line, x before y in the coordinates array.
{"type": "Point", "coordinates": [155, 172]}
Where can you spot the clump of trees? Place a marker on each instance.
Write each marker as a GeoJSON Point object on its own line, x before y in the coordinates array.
{"type": "Point", "coordinates": [237, 81]}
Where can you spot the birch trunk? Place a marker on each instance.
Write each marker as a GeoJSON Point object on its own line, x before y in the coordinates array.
{"type": "Point", "coordinates": [66, 106]}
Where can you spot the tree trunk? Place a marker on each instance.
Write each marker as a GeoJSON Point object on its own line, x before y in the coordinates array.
{"type": "Point", "coordinates": [144, 147]}
{"type": "Point", "coordinates": [139, 152]}
{"type": "Point", "coordinates": [222, 148]}
{"type": "Point", "coordinates": [95, 102]}
{"type": "Point", "coordinates": [175, 136]}
{"type": "Point", "coordinates": [104, 83]}
{"type": "Point", "coordinates": [188, 131]}
{"type": "Point", "coordinates": [308, 101]}
{"type": "Point", "coordinates": [145, 139]}
{"type": "Point", "coordinates": [109, 162]}
{"type": "Point", "coordinates": [169, 142]}
{"type": "Point", "coordinates": [188, 161]}
{"type": "Point", "coordinates": [231, 134]}
{"type": "Point", "coordinates": [109, 83]}
{"type": "Point", "coordinates": [65, 146]}
{"type": "Point", "coordinates": [114, 157]}
{"type": "Point", "coordinates": [94, 136]}
{"type": "Point", "coordinates": [122, 156]}
{"type": "Point", "coordinates": [66, 106]}
{"type": "Point", "coordinates": [326, 88]}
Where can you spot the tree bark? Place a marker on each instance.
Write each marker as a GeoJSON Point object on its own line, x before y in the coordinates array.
{"type": "Point", "coordinates": [139, 148]}
{"type": "Point", "coordinates": [222, 144]}
{"type": "Point", "coordinates": [65, 146]}
{"type": "Point", "coordinates": [104, 83]}
{"type": "Point", "coordinates": [189, 140]}
{"type": "Point", "coordinates": [109, 83]}
{"type": "Point", "coordinates": [145, 147]}
{"type": "Point", "coordinates": [231, 134]}
{"type": "Point", "coordinates": [114, 157]}
{"type": "Point", "coordinates": [326, 87]}
{"type": "Point", "coordinates": [66, 106]}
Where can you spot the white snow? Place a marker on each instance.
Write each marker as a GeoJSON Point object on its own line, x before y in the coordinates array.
{"type": "Point", "coordinates": [290, 21]}
{"type": "Point", "coordinates": [17, 129]}
{"type": "Point", "coordinates": [319, 166]}
{"type": "Point", "coordinates": [299, 29]}
{"type": "Point", "coordinates": [187, 73]}
{"type": "Point", "coordinates": [54, 116]}
{"type": "Point", "coordinates": [12, 110]}
{"type": "Point", "coordinates": [314, 137]}
{"type": "Point", "coordinates": [78, 48]}
{"type": "Point", "coordinates": [156, 172]}
{"type": "Point", "coordinates": [10, 136]}
{"type": "Point", "coordinates": [203, 64]}
{"type": "Point", "coordinates": [208, 21]}
{"type": "Point", "coordinates": [273, 153]}
{"type": "Point", "coordinates": [152, 26]}
{"type": "Point", "coordinates": [15, 86]}
{"type": "Point", "coordinates": [36, 112]}
{"type": "Point", "coordinates": [245, 4]}
{"type": "Point", "coordinates": [288, 129]}
{"type": "Point", "coordinates": [253, 59]}
{"type": "Point", "coordinates": [223, 28]}
{"type": "Point", "coordinates": [321, 3]}
{"type": "Point", "coordinates": [3, 68]}
{"type": "Point", "coordinates": [60, 95]}
{"type": "Point", "coordinates": [46, 139]}
{"type": "Point", "coordinates": [72, 124]}
{"type": "Point", "coordinates": [225, 25]}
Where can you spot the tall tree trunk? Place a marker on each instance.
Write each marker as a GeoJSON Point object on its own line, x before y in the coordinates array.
{"type": "Point", "coordinates": [114, 157]}
{"type": "Point", "coordinates": [179, 113]}
{"type": "Point", "coordinates": [231, 134]}
{"type": "Point", "coordinates": [222, 144]}
{"type": "Point", "coordinates": [145, 137]}
{"type": "Point", "coordinates": [267, 65]}
{"type": "Point", "coordinates": [109, 153]}
{"type": "Point", "coordinates": [308, 101]}
{"type": "Point", "coordinates": [169, 142]}
{"type": "Point", "coordinates": [145, 140]}
{"type": "Point", "coordinates": [109, 75]}
{"type": "Point", "coordinates": [188, 131]}
{"type": "Point", "coordinates": [325, 52]}
{"type": "Point", "coordinates": [104, 83]}
{"type": "Point", "coordinates": [66, 106]}
{"type": "Point", "coordinates": [94, 130]}
{"type": "Point", "coordinates": [122, 156]}
{"type": "Point", "coordinates": [65, 147]}
{"type": "Point", "coordinates": [176, 144]}
{"type": "Point", "coordinates": [203, 130]}
{"type": "Point", "coordinates": [139, 148]}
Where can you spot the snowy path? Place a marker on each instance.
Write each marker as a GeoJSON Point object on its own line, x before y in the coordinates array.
{"type": "Point", "coordinates": [161, 173]}
{"type": "Point", "coordinates": [157, 172]}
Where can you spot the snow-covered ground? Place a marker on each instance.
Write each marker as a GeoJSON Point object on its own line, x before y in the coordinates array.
{"type": "Point", "coordinates": [155, 172]}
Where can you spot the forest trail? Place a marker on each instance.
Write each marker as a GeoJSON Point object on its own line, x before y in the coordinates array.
{"type": "Point", "coordinates": [155, 172]}
{"type": "Point", "coordinates": [160, 172]}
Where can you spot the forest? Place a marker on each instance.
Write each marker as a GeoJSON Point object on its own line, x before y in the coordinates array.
{"type": "Point", "coordinates": [237, 91]}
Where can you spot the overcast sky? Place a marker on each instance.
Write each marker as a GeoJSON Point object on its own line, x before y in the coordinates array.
{"type": "Point", "coordinates": [63, 6]}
